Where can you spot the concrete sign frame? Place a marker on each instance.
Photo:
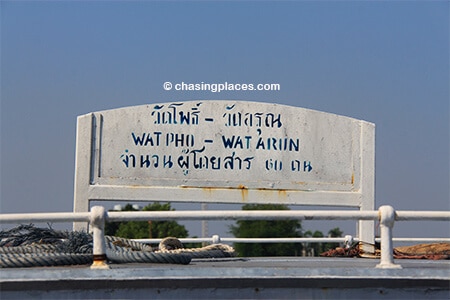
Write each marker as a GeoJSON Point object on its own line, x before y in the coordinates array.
{"type": "Point", "coordinates": [225, 151]}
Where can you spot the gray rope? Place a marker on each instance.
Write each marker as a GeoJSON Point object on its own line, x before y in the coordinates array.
{"type": "Point", "coordinates": [127, 243]}
{"type": "Point", "coordinates": [29, 249]}
{"type": "Point", "coordinates": [19, 260]}
{"type": "Point", "coordinates": [211, 251]}
{"type": "Point", "coordinates": [147, 257]}
{"type": "Point", "coordinates": [120, 250]}
{"type": "Point", "coordinates": [28, 246]}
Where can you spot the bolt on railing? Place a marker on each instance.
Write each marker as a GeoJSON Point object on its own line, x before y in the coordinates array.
{"type": "Point", "coordinates": [98, 216]}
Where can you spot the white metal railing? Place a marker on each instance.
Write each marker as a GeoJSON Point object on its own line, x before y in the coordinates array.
{"type": "Point", "coordinates": [386, 215]}
{"type": "Point", "coordinates": [215, 239]}
{"type": "Point", "coordinates": [347, 240]}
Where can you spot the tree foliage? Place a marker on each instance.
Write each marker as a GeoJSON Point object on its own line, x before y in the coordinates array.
{"type": "Point", "coordinates": [287, 228]}
{"type": "Point", "coordinates": [313, 249]}
{"type": "Point", "coordinates": [335, 232]}
{"type": "Point", "coordinates": [146, 229]}
{"type": "Point", "coordinates": [266, 229]}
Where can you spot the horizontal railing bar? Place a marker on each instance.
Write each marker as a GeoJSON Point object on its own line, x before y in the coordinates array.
{"type": "Point", "coordinates": [422, 240]}
{"type": "Point", "coordinates": [422, 215]}
{"type": "Point", "coordinates": [242, 215]}
{"type": "Point", "coordinates": [235, 215]}
{"type": "Point", "coordinates": [290, 240]}
{"type": "Point", "coordinates": [44, 217]}
{"type": "Point", "coordinates": [189, 215]}
{"type": "Point", "coordinates": [283, 240]}
{"type": "Point", "coordinates": [183, 240]}
{"type": "Point", "coordinates": [251, 240]}
{"type": "Point", "coordinates": [226, 215]}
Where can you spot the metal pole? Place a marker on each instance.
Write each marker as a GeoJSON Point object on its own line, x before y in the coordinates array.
{"type": "Point", "coordinates": [98, 217]}
{"type": "Point", "coordinates": [387, 219]}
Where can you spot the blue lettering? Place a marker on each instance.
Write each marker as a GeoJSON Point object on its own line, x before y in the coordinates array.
{"type": "Point", "coordinates": [137, 139]}
{"type": "Point", "coordinates": [146, 139]}
{"type": "Point", "coordinates": [228, 143]}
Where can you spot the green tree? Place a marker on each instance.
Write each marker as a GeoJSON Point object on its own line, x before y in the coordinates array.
{"type": "Point", "coordinates": [146, 229]}
{"type": "Point", "coordinates": [335, 232]}
{"type": "Point", "coordinates": [313, 249]}
{"type": "Point", "coordinates": [111, 228]}
{"type": "Point", "coordinates": [266, 229]}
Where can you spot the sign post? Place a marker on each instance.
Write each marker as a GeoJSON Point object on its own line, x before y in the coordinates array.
{"type": "Point", "coordinates": [225, 152]}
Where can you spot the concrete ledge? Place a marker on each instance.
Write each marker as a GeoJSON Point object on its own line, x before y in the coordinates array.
{"type": "Point", "coordinates": [282, 278]}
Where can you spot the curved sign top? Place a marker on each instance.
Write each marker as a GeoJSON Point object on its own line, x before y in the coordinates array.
{"type": "Point", "coordinates": [223, 146]}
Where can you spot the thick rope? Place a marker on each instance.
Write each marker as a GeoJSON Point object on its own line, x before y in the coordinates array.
{"type": "Point", "coordinates": [28, 246]}
{"type": "Point", "coordinates": [43, 260]}
{"type": "Point", "coordinates": [38, 248]}
{"type": "Point", "coordinates": [210, 251]}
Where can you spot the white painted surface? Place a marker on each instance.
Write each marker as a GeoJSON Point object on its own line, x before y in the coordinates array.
{"type": "Point", "coordinates": [228, 152]}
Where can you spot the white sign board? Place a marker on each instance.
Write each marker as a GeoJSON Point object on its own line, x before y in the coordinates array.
{"type": "Point", "coordinates": [224, 151]}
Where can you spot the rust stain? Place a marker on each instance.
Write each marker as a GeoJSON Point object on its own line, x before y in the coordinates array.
{"type": "Point", "coordinates": [353, 178]}
{"type": "Point", "coordinates": [244, 192]}
{"type": "Point", "coordinates": [282, 194]}
{"type": "Point", "coordinates": [208, 190]}
{"type": "Point", "coordinates": [300, 182]}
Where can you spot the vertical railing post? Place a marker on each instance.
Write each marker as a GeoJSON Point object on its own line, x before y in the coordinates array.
{"type": "Point", "coordinates": [97, 222]}
{"type": "Point", "coordinates": [215, 239]}
{"type": "Point", "coordinates": [387, 219]}
{"type": "Point", "coordinates": [348, 241]}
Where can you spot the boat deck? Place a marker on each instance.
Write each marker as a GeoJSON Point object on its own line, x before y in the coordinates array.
{"type": "Point", "coordinates": [257, 277]}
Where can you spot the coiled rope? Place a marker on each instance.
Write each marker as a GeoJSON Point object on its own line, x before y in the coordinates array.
{"type": "Point", "coordinates": [28, 246]}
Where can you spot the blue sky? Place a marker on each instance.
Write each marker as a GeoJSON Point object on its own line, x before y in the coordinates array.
{"type": "Point", "coordinates": [384, 62]}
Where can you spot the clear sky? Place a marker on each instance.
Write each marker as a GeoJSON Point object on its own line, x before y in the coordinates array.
{"type": "Point", "coordinates": [384, 62]}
